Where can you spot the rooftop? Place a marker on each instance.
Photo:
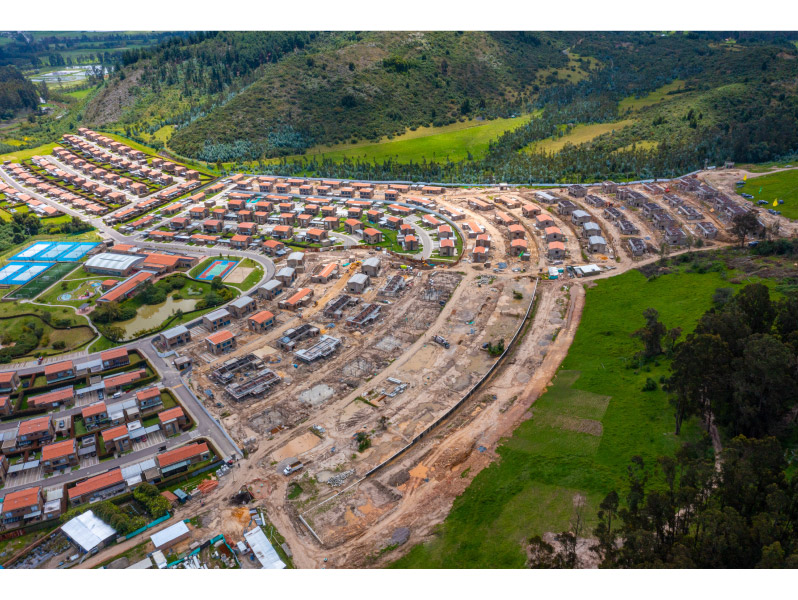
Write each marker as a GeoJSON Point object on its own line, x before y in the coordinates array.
{"type": "Point", "coordinates": [109, 260]}
{"type": "Point", "coordinates": [59, 449]}
{"type": "Point", "coordinates": [220, 336]}
{"type": "Point", "coordinates": [93, 484]}
{"type": "Point", "coordinates": [179, 454]}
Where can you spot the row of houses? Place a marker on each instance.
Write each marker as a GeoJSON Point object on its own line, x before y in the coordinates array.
{"type": "Point", "coordinates": [36, 206]}
{"type": "Point", "coordinates": [28, 506]}
{"type": "Point", "coordinates": [137, 155]}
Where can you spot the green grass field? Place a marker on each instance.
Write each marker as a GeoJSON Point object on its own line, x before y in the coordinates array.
{"type": "Point", "coordinates": [579, 135]}
{"type": "Point", "coordinates": [776, 186]}
{"type": "Point", "coordinates": [634, 104]}
{"type": "Point", "coordinates": [19, 155]}
{"type": "Point", "coordinates": [454, 141]}
{"type": "Point", "coordinates": [582, 433]}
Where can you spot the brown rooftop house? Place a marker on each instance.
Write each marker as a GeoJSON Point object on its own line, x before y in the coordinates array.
{"type": "Point", "coordinates": [261, 321]}
{"type": "Point", "coordinates": [518, 247]}
{"type": "Point", "coordinates": [116, 439]}
{"type": "Point", "coordinates": [480, 254]}
{"type": "Point", "coordinates": [9, 382]}
{"type": "Point", "coordinates": [22, 505]}
{"type": "Point", "coordinates": [35, 432]}
{"type": "Point", "coordinates": [330, 223]}
{"type": "Point", "coordinates": [118, 382]}
{"type": "Point", "coordinates": [272, 246]}
{"type": "Point", "coordinates": [517, 232]}
{"type": "Point", "coordinates": [447, 247]}
{"type": "Point", "coordinates": [117, 357]}
{"type": "Point", "coordinates": [149, 399]}
{"type": "Point", "coordinates": [411, 243]}
{"type": "Point", "coordinates": [60, 397]}
{"type": "Point", "coordinates": [240, 242]}
{"type": "Point", "coordinates": [59, 456]}
{"type": "Point", "coordinates": [94, 415]}
{"type": "Point", "coordinates": [97, 488]}
{"type": "Point", "coordinates": [172, 420]}
{"type": "Point", "coordinates": [221, 342]}
{"type": "Point", "coordinates": [212, 226]}
{"type": "Point", "coordinates": [282, 232]}
{"type": "Point", "coordinates": [316, 235]}
{"type": "Point", "coordinates": [180, 459]}
{"type": "Point", "coordinates": [247, 228]}
{"type": "Point", "coordinates": [556, 250]}
{"type": "Point", "coordinates": [328, 211]}
{"type": "Point", "coordinates": [352, 226]}
{"type": "Point", "coordinates": [59, 371]}
{"type": "Point", "coordinates": [179, 223]}
{"type": "Point", "coordinates": [372, 236]}
{"type": "Point", "coordinates": [300, 298]}
{"type": "Point", "coordinates": [394, 222]}
{"type": "Point", "coordinates": [5, 406]}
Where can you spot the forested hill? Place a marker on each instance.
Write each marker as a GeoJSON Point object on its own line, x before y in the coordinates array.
{"type": "Point", "coordinates": [271, 93]}
{"type": "Point", "coordinates": [223, 96]}
{"type": "Point", "coordinates": [16, 93]}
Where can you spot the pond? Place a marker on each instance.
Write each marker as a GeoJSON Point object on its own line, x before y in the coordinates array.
{"type": "Point", "coordinates": [150, 316]}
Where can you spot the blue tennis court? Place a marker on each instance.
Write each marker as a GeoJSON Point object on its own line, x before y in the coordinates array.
{"type": "Point", "coordinates": [218, 268]}
{"type": "Point", "coordinates": [17, 273]}
{"type": "Point", "coordinates": [54, 251]}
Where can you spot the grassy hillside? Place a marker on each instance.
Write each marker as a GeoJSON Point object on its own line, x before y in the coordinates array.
{"type": "Point", "coordinates": [457, 141]}
{"type": "Point", "coordinates": [582, 432]}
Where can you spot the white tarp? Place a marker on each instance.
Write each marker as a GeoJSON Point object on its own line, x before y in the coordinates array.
{"type": "Point", "coordinates": [88, 531]}
{"type": "Point", "coordinates": [263, 550]}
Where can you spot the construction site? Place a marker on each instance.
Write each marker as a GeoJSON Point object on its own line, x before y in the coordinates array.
{"type": "Point", "coordinates": [383, 384]}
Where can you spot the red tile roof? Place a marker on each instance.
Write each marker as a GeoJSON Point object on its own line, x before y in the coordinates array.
{"type": "Point", "coordinates": [172, 413]}
{"type": "Point", "coordinates": [114, 433]}
{"type": "Point", "coordinates": [262, 316]}
{"type": "Point", "coordinates": [94, 409]}
{"type": "Point", "coordinates": [34, 425]}
{"type": "Point", "coordinates": [100, 482]}
{"type": "Point", "coordinates": [148, 393]}
{"type": "Point", "coordinates": [21, 499]}
{"type": "Point", "coordinates": [52, 397]}
{"type": "Point", "coordinates": [6, 376]}
{"type": "Point", "coordinates": [58, 367]}
{"type": "Point", "coordinates": [179, 454]}
{"type": "Point", "coordinates": [220, 336]}
{"type": "Point", "coordinates": [124, 378]}
{"type": "Point", "coordinates": [57, 450]}
{"type": "Point", "coordinates": [113, 354]}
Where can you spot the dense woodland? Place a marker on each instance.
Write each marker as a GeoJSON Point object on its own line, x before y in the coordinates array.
{"type": "Point", "coordinates": [16, 93]}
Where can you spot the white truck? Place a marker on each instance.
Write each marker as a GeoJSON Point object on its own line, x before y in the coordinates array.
{"type": "Point", "coordinates": [293, 467]}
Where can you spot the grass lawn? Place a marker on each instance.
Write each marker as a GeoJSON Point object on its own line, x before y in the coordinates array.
{"type": "Point", "coordinates": [579, 135]}
{"type": "Point", "coordinates": [79, 94]}
{"type": "Point", "coordinates": [776, 186]}
{"type": "Point", "coordinates": [433, 143]}
{"type": "Point", "coordinates": [583, 431]}
{"type": "Point", "coordinates": [634, 104]}
{"type": "Point", "coordinates": [75, 287]}
{"type": "Point", "coordinates": [19, 155]}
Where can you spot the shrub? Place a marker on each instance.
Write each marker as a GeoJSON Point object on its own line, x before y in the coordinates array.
{"type": "Point", "coordinates": [650, 386]}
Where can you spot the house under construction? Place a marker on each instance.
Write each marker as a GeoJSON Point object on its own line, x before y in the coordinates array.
{"type": "Point", "coordinates": [254, 386]}
{"type": "Point", "coordinates": [368, 314]}
{"type": "Point", "coordinates": [326, 345]}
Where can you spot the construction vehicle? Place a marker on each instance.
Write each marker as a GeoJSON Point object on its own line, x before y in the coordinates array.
{"type": "Point", "coordinates": [293, 467]}
{"type": "Point", "coordinates": [440, 340]}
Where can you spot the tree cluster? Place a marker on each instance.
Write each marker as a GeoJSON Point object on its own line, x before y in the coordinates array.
{"type": "Point", "coordinates": [149, 495]}
{"type": "Point", "coordinates": [740, 365]}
